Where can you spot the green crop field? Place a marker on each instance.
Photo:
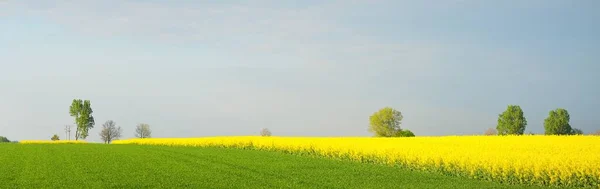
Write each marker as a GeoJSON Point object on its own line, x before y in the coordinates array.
{"type": "Point", "coordinates": [133, 166]}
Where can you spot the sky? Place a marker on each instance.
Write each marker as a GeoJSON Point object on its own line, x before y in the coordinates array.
{"type": "Point", "coordinates": [309, 68]}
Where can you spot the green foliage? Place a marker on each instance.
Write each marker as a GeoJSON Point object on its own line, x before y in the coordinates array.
{"type": "Point", "coordinates": [55, 137]}
{"type": "Point", "coordinates": [405, 133]}
{"type": "Point", "coordinates": [576, 131]}
{"type": "Point", "coordinates": [557, 123]}
{"type": "Point", "coordinates": [4, 139]}
{"type": "Point", "coordinates": [385, 122]}
{"type": "Point", "coordinates": [133, 166]}
{"type": "Point", "coordinates": [82, 112]}
{"type": "Point", "coordinates": [512, 121]}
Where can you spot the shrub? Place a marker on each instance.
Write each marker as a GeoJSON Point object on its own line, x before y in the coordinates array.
{"type": "Point", "coordinates": [405, 133]}
{"type": "Point", "coordinates": [490, 132]}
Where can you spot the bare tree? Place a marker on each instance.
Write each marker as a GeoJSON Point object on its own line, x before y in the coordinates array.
{"type": "Point", "coordinates": [265, 132]}
{"type": "Point", "coordinates": [596, 133]}
{"type": "Point", "coordinates": [142, 130]}
{"type": "Point", "coordinates": [110, 131]}
{"type": "Point", "coordinates": [491, 131]}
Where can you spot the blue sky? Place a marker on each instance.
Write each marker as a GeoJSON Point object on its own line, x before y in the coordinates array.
{"type": "Point", "coordinates": [316, 68]}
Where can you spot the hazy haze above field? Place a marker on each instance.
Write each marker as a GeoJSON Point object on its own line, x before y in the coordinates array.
{"type": "Point", "coordinates": [316, 68]}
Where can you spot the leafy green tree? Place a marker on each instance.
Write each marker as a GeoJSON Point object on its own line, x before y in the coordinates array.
{"type": "Point", "coordinates": [512, 121]}
{"type": "Point", "coordinates": [385, 122]}
{"type": "Point", "coordinates": [557, 122]}
{"type": "Point", "coordinates": [576, 131]}
{"type": "Point", "coordinates": [82, 112]}
{"type": "Point", "coordinates": [55, 137]}
{"type": "Point", "coordinates": [4, 139]}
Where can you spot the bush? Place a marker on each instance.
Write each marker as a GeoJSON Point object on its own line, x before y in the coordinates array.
{"type": "Point", "coordinates": [4, 139]}
{"type": "Point", "coordinates": [405, 133]}
{"type": "Point", "coordinates": [576, 131]}
{"type": "Point", "coordinates": [55, 138]}
{"type": "Point", "coordinates": [490, 132]}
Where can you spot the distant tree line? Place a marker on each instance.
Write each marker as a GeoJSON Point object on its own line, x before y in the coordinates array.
{"type": "Point", "coordinates": [383, 123]}
{"type": "Point", "coordinates": [81, 111]}
{"type": "Point", "coordinates": [512, 122]}
{"type": "Point", "coordinates": [386, 123]}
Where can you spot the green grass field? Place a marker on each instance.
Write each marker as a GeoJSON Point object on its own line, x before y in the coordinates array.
{"type": "Point", "coordinates": [133, 166]}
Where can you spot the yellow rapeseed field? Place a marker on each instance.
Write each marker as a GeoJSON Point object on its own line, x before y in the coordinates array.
{"type": "Point", "coordinates": [539, 160]}
{"type": "Point", "coordinates": [52, 142]}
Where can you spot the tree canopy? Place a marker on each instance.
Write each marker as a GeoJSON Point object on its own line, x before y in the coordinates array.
{"type": "Point", "coordinates": [385, 122]}
{"type": "Point", "coordinates": [557, 123]}
{"type": "Point", "coordinates": [512, 121]}
{"type": "Point", "coordinates": [82, 112]}
{"type": "Point", "coordinates": [4, 139]}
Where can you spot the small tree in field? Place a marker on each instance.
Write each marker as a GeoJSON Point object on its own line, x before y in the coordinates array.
{"type": "Point", "coordinates": [386, 123]}
{"type": "Point", "coordinates": [557, 123]}
{"type": "Point", "coordinates": [4, 139]}
{"type": "Point", "coordinates": [265, 132]}
{"type": "Point", "coordinates": [143, 131]}
{"type": "Point", "coordinates": [490, 132]}
{"type": "Point", "coordinates": [81, 110]}
{"type": "Point", "coordinates": [55, 138]}
{"type": "Point", "coordinates": [110, 131]}
{"type": "Point", "coordinates": [512, 121]}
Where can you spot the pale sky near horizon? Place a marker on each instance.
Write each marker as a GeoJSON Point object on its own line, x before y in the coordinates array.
{"type": "Point", "coordinates": [316, 68]}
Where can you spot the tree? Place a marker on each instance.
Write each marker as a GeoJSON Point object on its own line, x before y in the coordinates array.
{"type": "Point", "coordinates": [385, 122]}
{"type": "Point", "coordinates": [265, 132]}
{"type": "Point", "coordinates": [110, 131]}
{"type": "Point", "coordinates": [55, 137]}
{"type": "Point", "coordinates": [511, 121]}
{"type": "Point", "coordinates": [82, 112]}
{"type": "Point", "coordinates": [557, 122]}
{"type": "Point", "coordinates": [490, 132]}
{"type": "Point", "coordinates": [4, 139]}
{"type": "Point", "coordinates": [143, 131]}
{"type": "Point", "coordinates": [576, 131]}
{"type": "Point", "coordinates": [597, 133]}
